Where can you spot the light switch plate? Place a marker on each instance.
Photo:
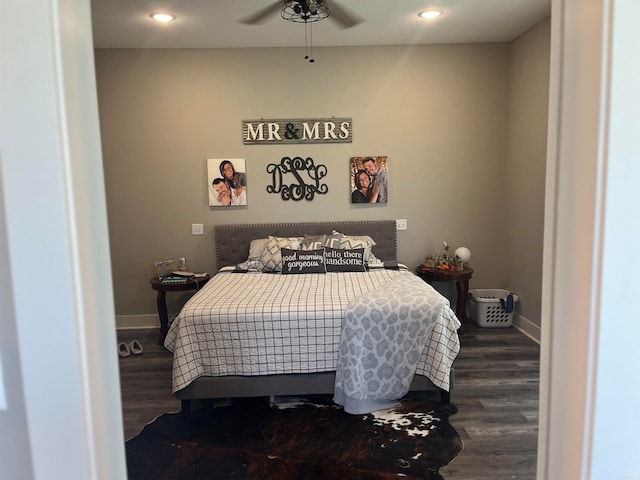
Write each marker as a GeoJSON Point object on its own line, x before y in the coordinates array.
{"type": "Point", "coordinates": [401, 224]}
{"type": "Point", "coordinates": [197, 229]}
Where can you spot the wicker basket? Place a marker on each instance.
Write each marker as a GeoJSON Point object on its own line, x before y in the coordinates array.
{"type": "Point", "coordinates": [486, 309]}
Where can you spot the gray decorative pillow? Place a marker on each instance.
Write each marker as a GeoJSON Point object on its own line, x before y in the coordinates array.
{"type": "Point", "coordinates": [313, 242]}
{"type": "Point", "coordinates": [360, 241]}
{"type": "Point", "coordinates": [302, 261]}
{"type": "Point", "coordinates": [344, 260]}
{"type": "Point", "coordinates": [333, 240]}
{"type": "Point", "coordinates": [272, 256]}
{"type": "Point", "coordinates": [257, 248]}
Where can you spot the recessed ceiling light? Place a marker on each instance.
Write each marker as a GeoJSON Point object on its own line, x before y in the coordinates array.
{"type": "Point", "coordinates": [430, 14]}
{"type": "Point", "coordinates": [163, 17]}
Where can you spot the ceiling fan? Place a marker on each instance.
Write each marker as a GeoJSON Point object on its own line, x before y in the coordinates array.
{"type": "Point", "coordinates": [305, 11]}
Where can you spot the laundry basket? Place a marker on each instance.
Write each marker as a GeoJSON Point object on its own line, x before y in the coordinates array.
{"type": "Point", "coordinates": [487, 310]}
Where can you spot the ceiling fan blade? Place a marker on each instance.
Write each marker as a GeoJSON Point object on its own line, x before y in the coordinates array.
{"type": "Point", "coordinates": [263, 15]}
{"type": "Point", "coordinates": [343, 17]}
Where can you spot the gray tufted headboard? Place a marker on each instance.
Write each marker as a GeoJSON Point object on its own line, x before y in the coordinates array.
{"type": "Point", "coordinates": [232, 241]}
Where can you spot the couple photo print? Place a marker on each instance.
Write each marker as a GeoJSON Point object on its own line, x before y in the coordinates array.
{"type": "Point", "coordinates": [369, 179]}
{"type": "Point", "coordinates": [227, 181]}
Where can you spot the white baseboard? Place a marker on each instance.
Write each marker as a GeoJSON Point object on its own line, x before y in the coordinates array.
{"type": "Point", "coordinates": [527, 327]}
{"type": "Point", "coordinates": [127, 322]}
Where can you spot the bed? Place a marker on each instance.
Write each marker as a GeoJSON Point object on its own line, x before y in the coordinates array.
{"type": "Point", "coordinates": [247, 333]}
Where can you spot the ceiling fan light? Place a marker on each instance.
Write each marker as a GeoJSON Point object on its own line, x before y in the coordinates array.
{"type": "Point", "coordinates": [163, 17]}
{"type": "Point", "coordinates": [430, 14]}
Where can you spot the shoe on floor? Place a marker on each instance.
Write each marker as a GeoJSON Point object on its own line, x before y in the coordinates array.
{"type": "Point", "coordinates": [123, 350]}
{"type": "Point", "coordinates": [135, 347]}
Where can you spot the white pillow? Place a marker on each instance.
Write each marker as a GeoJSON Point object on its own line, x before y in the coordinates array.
{"type": "Point", "coordinates": [351, 242]}
{"type": "Point", "coordinates": [257, 248]}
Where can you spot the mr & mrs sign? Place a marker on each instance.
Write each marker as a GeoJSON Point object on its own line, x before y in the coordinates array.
{"type": "Point", "coordinates": [306, 173]}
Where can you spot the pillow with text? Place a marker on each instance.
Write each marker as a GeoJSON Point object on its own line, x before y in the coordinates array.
{"type": "Point", "coordinates": [302, 261]}
{"type": "Point", "coordinates": [344, 260]}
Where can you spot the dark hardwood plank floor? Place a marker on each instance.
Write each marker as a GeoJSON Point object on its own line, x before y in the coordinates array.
{"type": "Point", "coordinates": [496, 391]}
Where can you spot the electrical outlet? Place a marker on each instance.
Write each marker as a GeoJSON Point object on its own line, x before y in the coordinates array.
{"type": "Point", "coordinates": [401, 224]}
{"type": "Point", "coordinates": [197, 229]}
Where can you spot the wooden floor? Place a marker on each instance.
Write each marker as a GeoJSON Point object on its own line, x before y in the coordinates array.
{"type": "Point", "coordinates": [496, 391]}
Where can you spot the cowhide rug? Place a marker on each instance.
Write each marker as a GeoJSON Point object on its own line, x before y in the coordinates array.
{"type": "Point", "coordinates": [296, 440]}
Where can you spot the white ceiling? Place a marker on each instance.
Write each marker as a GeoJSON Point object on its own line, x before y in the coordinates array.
{"type": "Point", "coordinates": [215, 23]}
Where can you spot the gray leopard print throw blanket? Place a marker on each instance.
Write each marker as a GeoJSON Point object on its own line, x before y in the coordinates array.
{"type": "Point", "coordinates": [383, 335]}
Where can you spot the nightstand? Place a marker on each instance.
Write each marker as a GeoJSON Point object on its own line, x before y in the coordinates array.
{"type": "Point", "coordinates": [162, 289]}
{"type": "Point", "coordinates": [461, 277]}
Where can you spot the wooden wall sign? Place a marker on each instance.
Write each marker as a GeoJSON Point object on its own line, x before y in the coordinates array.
{"type": "Point", "coordinates": [306, 176]}
{"type": "Point", "coordinates": [274, 132]}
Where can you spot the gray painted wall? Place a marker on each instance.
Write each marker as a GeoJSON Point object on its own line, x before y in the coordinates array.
{"type": "Point", "coordinates": [440, 113]}
{"type": "Point", "coordinates": [528, 108]}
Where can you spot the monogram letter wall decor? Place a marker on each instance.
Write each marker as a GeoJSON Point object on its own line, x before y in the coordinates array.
{"type": "Point", "coordinates": [298, 168]}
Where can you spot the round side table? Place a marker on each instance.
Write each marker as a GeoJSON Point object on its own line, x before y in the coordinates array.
{"type": "Point", "coordinates": [461, 277]}
{"type": "Point", "coordinates": [162, 289]}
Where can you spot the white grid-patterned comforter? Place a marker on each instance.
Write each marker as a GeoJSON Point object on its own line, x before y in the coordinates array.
{"type": "Point", "coordinates": [263, 324]}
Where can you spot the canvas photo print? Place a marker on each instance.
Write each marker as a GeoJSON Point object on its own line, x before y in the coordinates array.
{"type": "Point", "coordinates": [369, 178]}
{"type": "Point", "coordinates": [227, 182]}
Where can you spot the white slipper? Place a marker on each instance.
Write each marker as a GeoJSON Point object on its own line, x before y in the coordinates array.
{"type": "Point", "coordinates": [123, 350]}
{"type": "Point", "coordinates": [135, 347]}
